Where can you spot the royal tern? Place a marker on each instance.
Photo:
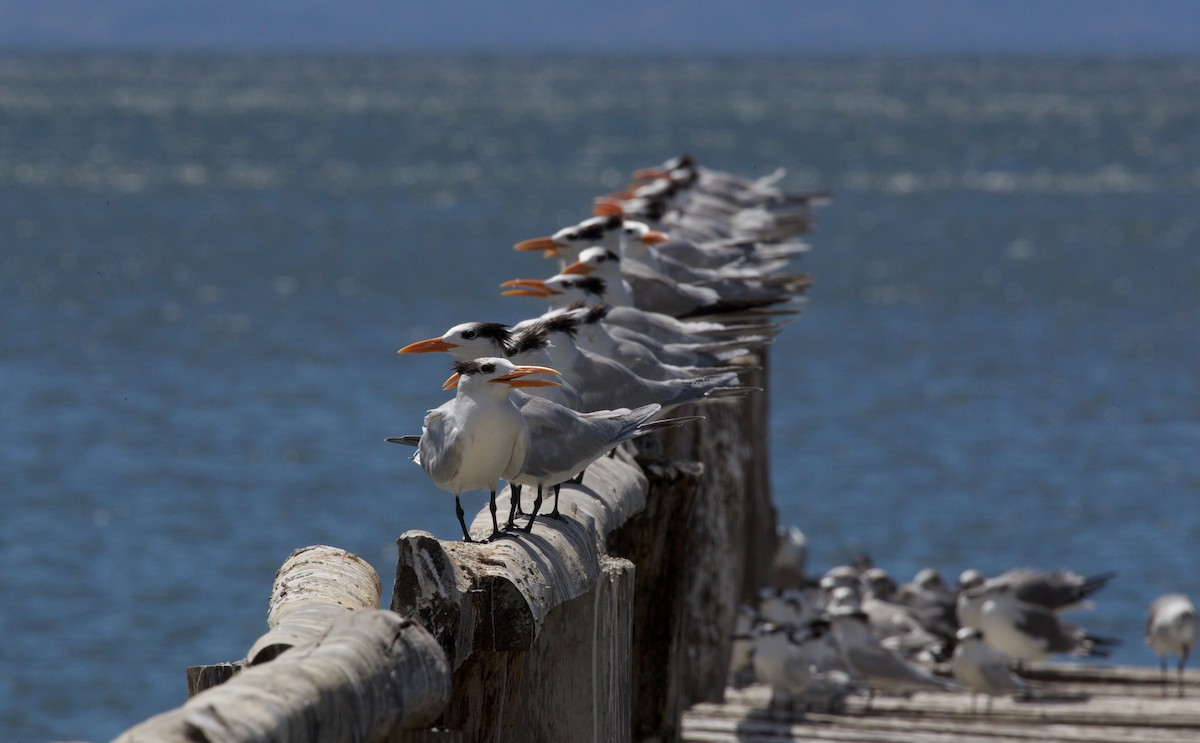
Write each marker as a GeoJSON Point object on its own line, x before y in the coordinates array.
{"type": "Point", "coordinates": [632, 283]}
{"type": "Point", "coordinates": [480, 436]}
{"type": "Point", "coordinates": [604, 384]}
{"type": "Point", "coordinates": [1171, 630]}
{"type": "Point", "coordinates": [982, 669]}
{"type": "Point", "coordinates": [473, 340]}
{"type": "Point", "coordinates": [563, 442]}
{"type": "Point", "coordinates": [564, 290]}
{"type": "Point", "coordinates": [595, 337]}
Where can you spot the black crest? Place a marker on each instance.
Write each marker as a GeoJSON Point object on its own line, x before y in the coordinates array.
{"type": "Point", "coordinates": [591, 284]}
{"type": "Point", "coordinates": [561, 322]}
{"type": "Point", "coordinates": [475, 366]}
{"type": "Point", "coordinates": [527, 338]}
{"type": "Point", "coordinates": [494, 330]}
{"type": "Point", "coordinates": [596, 313]}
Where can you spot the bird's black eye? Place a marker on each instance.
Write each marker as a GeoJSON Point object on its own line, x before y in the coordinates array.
{"type": "Point", "coordinates": [487, 368]}
{"type": "Point", "coordinates": [469, 334]}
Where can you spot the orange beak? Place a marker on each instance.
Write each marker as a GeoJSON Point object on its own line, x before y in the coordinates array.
{"type": "Point", "coordinates": [428, 346]}
{"type": "Point", "coordinates": [529, 288]}
{"type": "Point", "coordinates": [578, 268]}
{"type": "Point", "coordinates": [546, 244]}
{"type": "Point", "coordinates": [515, 377]}
{"type": "Point", "coordinates": [654, 237]}
{"type": "Point", "coordinates": [603, 206]}
{"type": "Point", "coordinates": [648, 174]}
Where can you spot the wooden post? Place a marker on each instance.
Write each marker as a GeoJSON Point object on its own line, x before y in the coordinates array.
{"type": "Point", "coordinates": [537, 627]}
{"type": "Point", "coordinates": [369, 673]}
{"type": "Point", "coordinates": [709, 528]}
{"type": "Point", "coordinates": [313, 588]}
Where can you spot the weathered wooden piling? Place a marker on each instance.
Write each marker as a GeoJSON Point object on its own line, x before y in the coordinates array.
{"type": "Point", "coordinates": [332, 667]}
{"type": "Point", "coordinates": [603, 626]}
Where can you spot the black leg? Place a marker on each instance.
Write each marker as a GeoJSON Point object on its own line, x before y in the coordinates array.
{"type": "Point", "coordinates": [555, 514]}
{"type": "Point", "coordinates": [462, 522]}
{"type": "Point", "coordinates": [537, 505]}
{"type": "Point", "coordinates": [514, 504]}
{"type": "Point", "coordinates": [1183, 656]}
{"type": "Point", "coordinates": [516, 491]}
{"type": "Point", "coordinates": [1162, 666]}
{"type": "Point", "coordinates": [495, 523]}
{"type": "Point", "coordinates": [578, 479]}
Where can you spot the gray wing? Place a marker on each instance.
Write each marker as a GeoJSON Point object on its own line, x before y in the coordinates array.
{"type": "Point", "coordinates": [436, 452]}
{"type": "Point", "coordinates": [998, 678]}
{"type": "Point", "coordinates": [1040, 622]}
{"type": "Point", "coordinates": [563, 442]}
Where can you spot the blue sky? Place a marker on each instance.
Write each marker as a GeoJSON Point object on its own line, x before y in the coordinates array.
{"type": "Point", "coordinates": [837, 26]}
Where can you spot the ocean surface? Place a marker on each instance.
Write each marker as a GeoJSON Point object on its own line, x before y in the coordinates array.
{"type": "Point", "coordinates": [208, 262]}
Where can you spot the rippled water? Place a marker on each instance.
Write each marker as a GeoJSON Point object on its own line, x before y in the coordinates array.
{"type": "Point", "coordinates": [208, 262]}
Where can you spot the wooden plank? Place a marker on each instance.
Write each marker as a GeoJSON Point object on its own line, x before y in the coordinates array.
{"type": "Point", "coordinates": [1116, 718]}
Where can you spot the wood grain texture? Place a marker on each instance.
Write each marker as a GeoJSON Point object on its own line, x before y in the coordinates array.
{"type": "Point", "coordinates": [371, 672]}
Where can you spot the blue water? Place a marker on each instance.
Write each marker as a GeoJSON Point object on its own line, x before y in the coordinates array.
{"type": "Point", "coordinates": [207, 263]}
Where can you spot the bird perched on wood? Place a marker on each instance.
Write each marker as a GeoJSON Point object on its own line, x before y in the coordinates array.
{"type": "Point", "coordinates": [473, 340]}
{"type": "Point", "coordinates": [1028, 632]}
{"type": "Point", "coordinates": [563, 442]}
{"type": "Point", "coordinates": [982, 669]}
{"type": "Point", "coordinates": [1171, 630]}
{"type": "Point", "coordinates": [479, 437]}
{"type": "Point", "coordinates": [1057, 590]}
{"type": "Point", "coordinates": [874, 666]}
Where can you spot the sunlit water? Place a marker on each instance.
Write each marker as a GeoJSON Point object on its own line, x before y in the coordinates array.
{"type": "Point", "coordinates": [206, 265]}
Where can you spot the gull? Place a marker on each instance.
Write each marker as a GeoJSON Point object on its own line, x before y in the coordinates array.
{"type": "Point", "coordinates": [605, 384]}
{"type": "Point", "coordinates": [1028, 632]}
{"type": "Point", "coordinates": [983, 670]}
{"type": "Point", "coordinates": [790, 561]}
{"type": "Point", "coordinates": [473, 340]}
{"type": "Point", "coordinates": [563, 442]}
{"type": "Point", "coordinates": [479, 437]}
{"type": "Point", "coordinates": [783, 658]}
{"type": "Point", "coordinates": [1171, 630]}
{"type": "Point", "coordinates": [1057, 590]}
{"type": "Point", "coordinates": [873, 665]}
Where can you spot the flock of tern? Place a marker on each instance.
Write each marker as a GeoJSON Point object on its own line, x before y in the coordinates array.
{"type": "Point", "coordinates": [815, 640]}
{"type": "Point", "coordinates": [654, 298]}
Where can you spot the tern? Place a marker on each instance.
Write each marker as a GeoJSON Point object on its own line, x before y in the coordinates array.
{"type": "Point", "coordinates": [479, 437]}
{"type": "Point", "coordinates": [563, 290]}
{"type": "Point", "coordinates": [633, 283]}
{"type": "Point", "coordinates": [473, 340]}
{"type": "Point", "coordinates": [605, 384]}
{"type": "Point", "coordinates": [983, 670]}
{"type": "Point", "coordinates": [639, 353]}
{"type": "Point", "coordinates": [1171, 630]}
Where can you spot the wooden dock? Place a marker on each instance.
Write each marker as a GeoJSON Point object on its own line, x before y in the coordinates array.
{"type": "Point", "coordinates": [1100, 704]}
